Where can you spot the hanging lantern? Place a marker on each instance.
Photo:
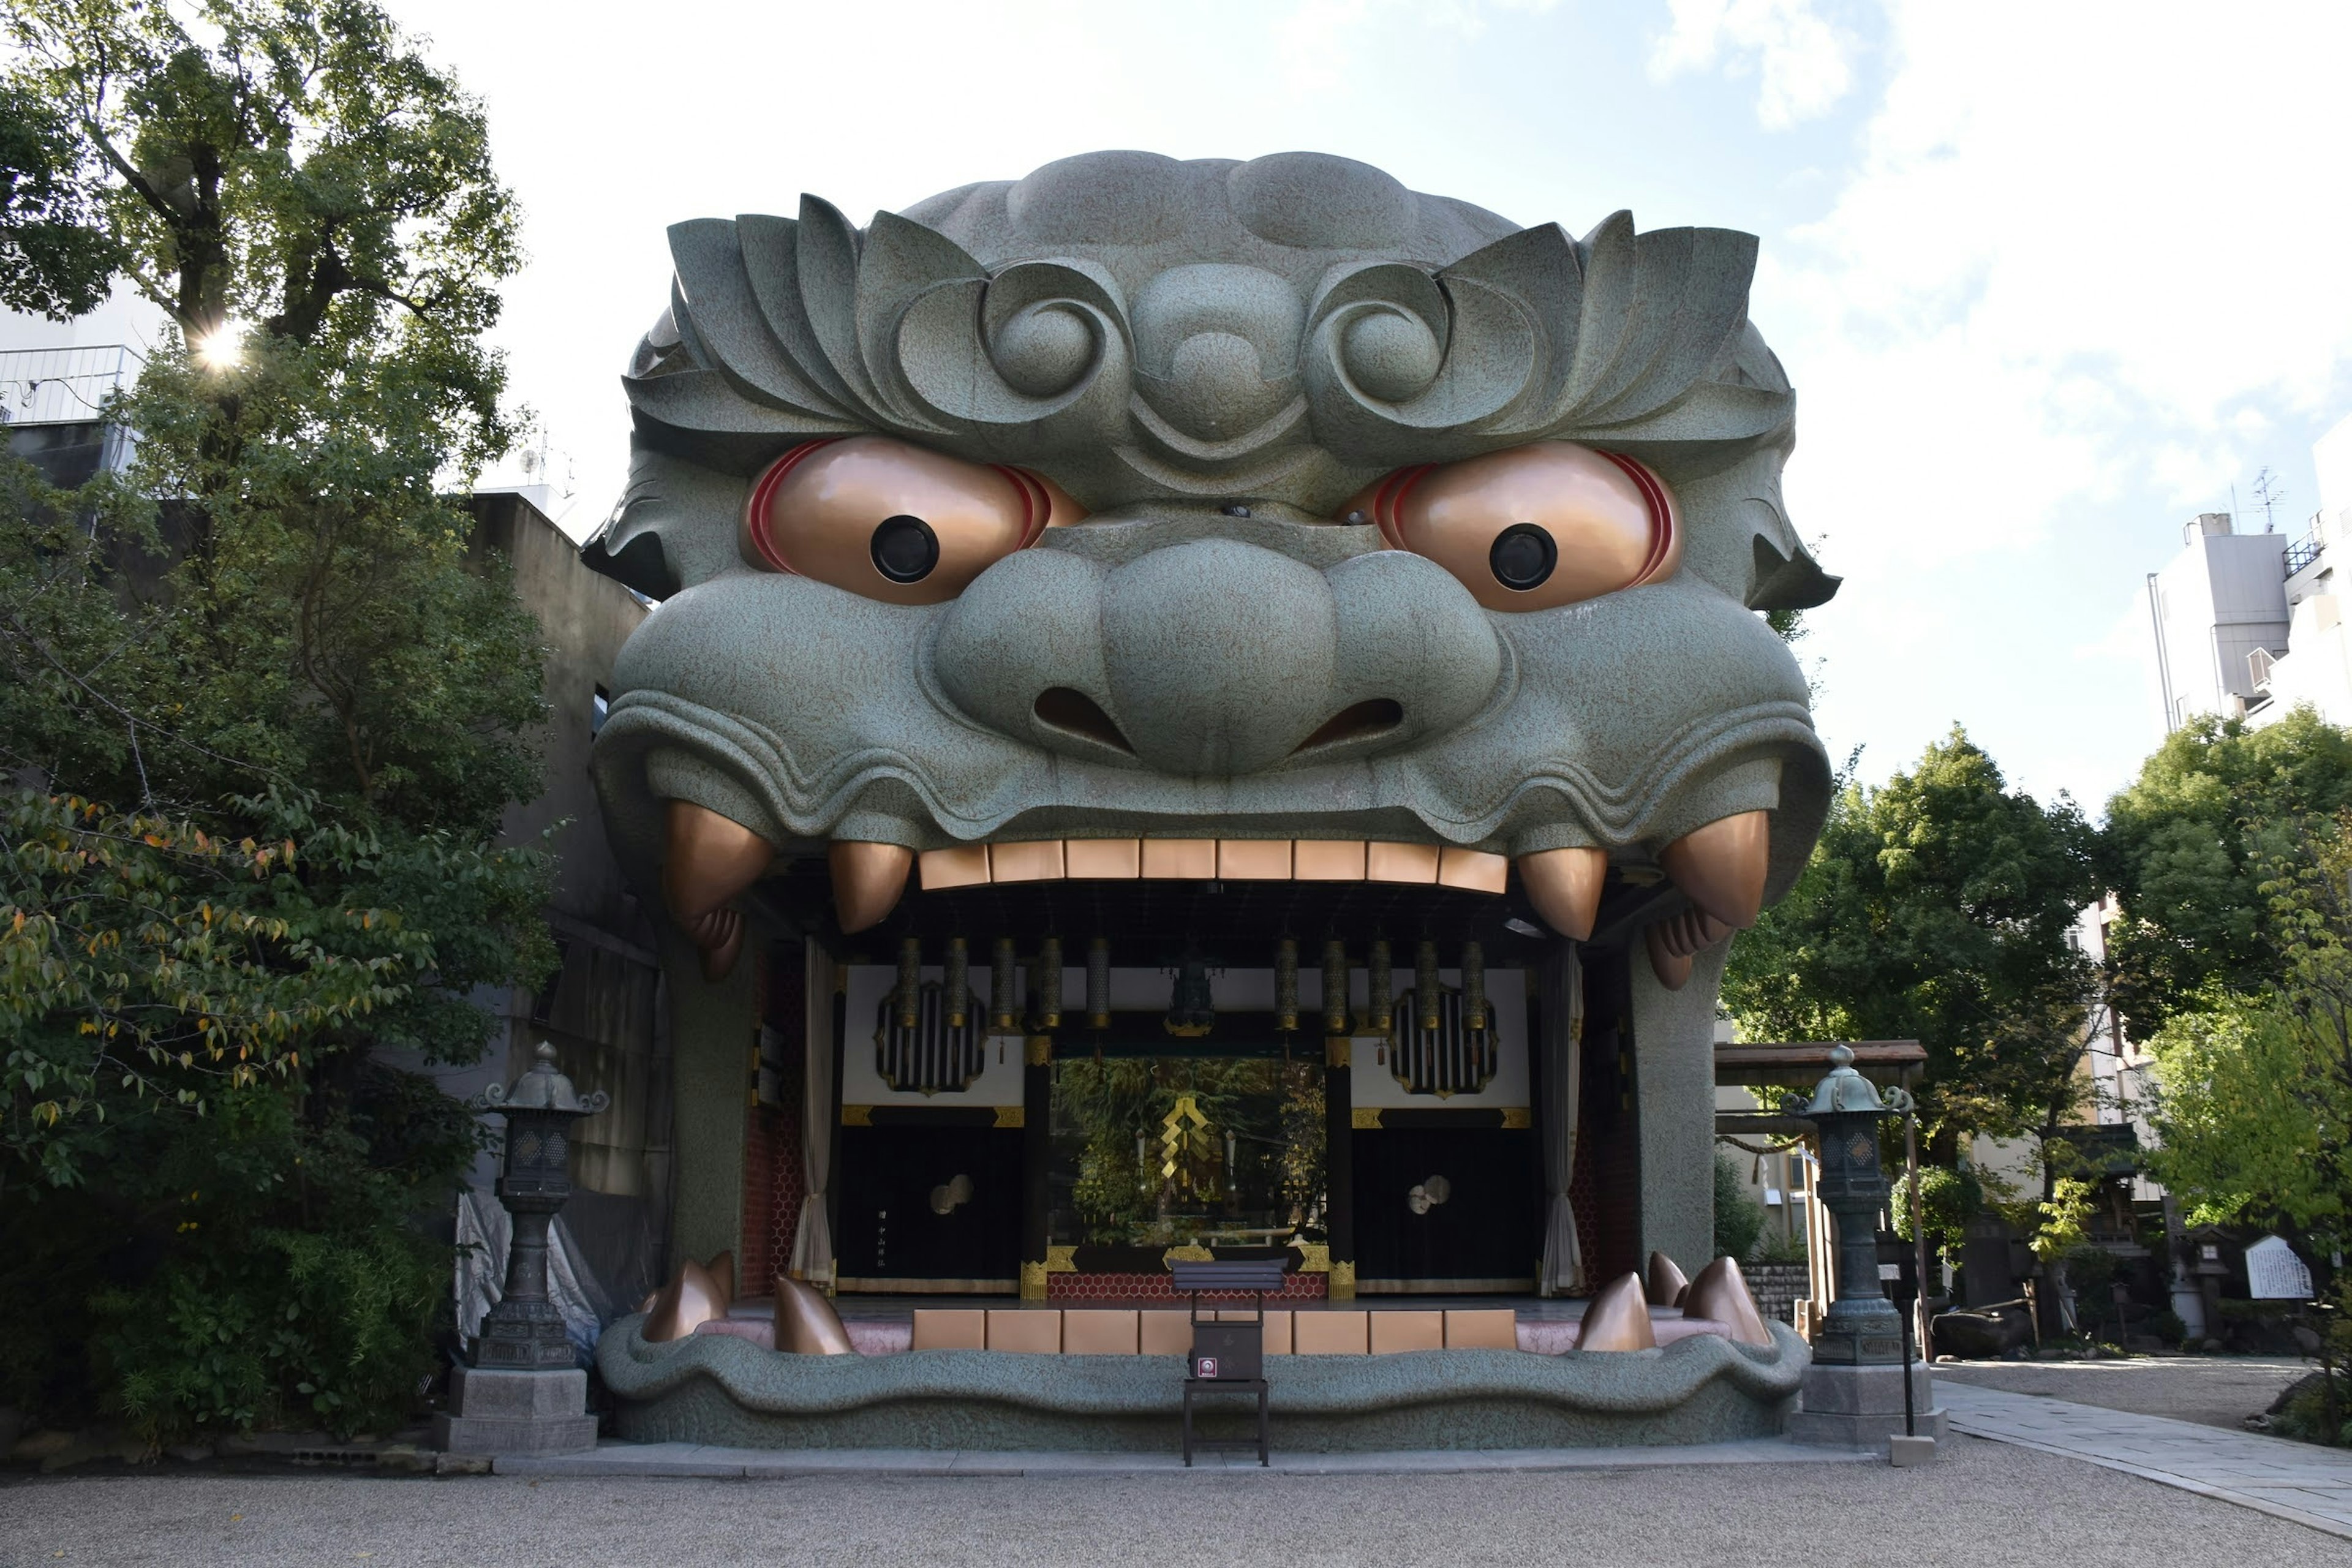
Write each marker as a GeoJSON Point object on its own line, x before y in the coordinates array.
{"type": "Point", "coordinates": [1377, 1006]}
{"type": "Point", "coordinates": [1003, 1016]}
{"type": "Point", "coordinates": [1286, 984]}
{"type": "Point", "coordinates": [1098, 983]}
{"type": "Point", "coordinates": [1474, 986]}
{"type": "Point", "coordinates": [1046, 984]}
{"type": "Point", "coordinates": [1192, 1011]}
{"type": "Point", "coordinates": [1425, 991]}
{"type": "Point", "coordinates": [1335, 988]}
{"type": "Point", "coordinates": [909, 994]}
{"type": "Point", "coordinates": [958, 988]}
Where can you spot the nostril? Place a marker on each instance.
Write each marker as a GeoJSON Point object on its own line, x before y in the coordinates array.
{"type": "Point", "coordinates": [1079, 714]}
{"type": "Point", "coordinates": [1372, 718]}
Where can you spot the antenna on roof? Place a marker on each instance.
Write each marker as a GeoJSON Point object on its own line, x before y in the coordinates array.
{"type": "Point", "coordinates": [2268, 493]}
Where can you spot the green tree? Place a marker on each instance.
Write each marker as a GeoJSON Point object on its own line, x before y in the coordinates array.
{"type": "Point", "coordinates": [275, 631]}
{"type": "Point", "coordinates": [2249, 1098]}
{"type": "Point", "coordinates": [55, 258]}
{"type": "Point", "coordinates": [1939, 908]}
{"type": "Point", "coordinates": [2192, 840]}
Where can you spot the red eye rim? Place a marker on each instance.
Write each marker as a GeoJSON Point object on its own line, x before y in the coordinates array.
{"type": "Point", "coordinates": [1662, 513]}
{"type": "Point", "coordinates": [1037, 506]}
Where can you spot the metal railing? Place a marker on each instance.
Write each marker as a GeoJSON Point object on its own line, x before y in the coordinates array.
{"type": "Point", "coordinates": [63, 386]}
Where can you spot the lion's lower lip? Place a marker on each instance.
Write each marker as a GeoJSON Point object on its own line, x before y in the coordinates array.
{"type": "Point", "coordinates": [1217, 859]}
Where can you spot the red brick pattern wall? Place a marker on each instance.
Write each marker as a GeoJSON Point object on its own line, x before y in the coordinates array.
{"type": "Point", "coordinates": [1158, 1289]}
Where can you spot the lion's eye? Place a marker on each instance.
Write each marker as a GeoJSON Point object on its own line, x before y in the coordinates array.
{"type": "Point", "coordinates": [894, 521]}
{"type": "Point", "coordinates": [1536, 527]}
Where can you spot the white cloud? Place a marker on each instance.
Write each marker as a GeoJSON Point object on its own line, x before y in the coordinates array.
{"type": "Point", "coordinates": [2061, 267]}
{"type": "Point", "coordinates": [1804, 64]}
{"type": "Point", "coordinates": [2081, 277]}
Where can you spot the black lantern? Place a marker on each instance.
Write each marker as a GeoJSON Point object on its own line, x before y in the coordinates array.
{"type": "Point", "coordinates": [524, 1332]}
{"type": "Point", "coordinates": [1862, 1326]}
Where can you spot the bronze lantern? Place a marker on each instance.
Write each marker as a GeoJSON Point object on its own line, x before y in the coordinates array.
{"type": "Point", "coordinates": [1862, 1326]}
{"type": "Point", "coordinates": [524, 1332]}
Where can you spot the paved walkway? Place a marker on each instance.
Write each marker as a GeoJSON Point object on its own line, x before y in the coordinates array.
{"type": "Point", "coordinates": [2212, 1390]}
{"type": "Point", "coordinates": [710, 1462]}
{"type": "Point", "coordinates": [2310, 1485]}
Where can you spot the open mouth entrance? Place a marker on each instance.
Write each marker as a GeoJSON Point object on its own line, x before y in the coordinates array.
{"type": "Point", "coordinates": [1062, 1130]}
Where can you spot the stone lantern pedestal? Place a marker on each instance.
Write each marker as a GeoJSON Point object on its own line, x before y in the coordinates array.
{"type": "Point", "coordinates": [522, 1394]}
{"type": "Point", "coordinates": [1853, 1394]}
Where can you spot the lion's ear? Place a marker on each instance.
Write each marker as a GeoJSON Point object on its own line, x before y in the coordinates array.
{"type": "Point", "coordinates": [675, 526]}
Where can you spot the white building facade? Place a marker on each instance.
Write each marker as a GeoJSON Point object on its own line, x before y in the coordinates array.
{"type": "Point", "coordinates": [2252, 625]}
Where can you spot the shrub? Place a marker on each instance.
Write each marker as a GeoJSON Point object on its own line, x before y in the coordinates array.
{"type": "Point", "coordinates": [1949, 1199]}
{"type": "Point", "coordinates": [1738, 1218]}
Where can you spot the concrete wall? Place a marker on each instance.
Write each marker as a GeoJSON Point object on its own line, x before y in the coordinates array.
{"type": "Point", "coordinates": [1674, 1074]}
{"type": "Point", "coordinates": [602, 1009]}
{"type": "Point", "coordinates": [714, 1034]}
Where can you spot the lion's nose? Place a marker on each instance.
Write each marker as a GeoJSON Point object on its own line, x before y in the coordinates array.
{"type": "Point", "coordinates": [1216, 657]}
{"type": "Point", "coordinates": [1219, 654]}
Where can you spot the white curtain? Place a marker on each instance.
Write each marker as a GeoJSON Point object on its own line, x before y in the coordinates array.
{"type": "Point", "coordinates": [813, 1243]}
{"type": "Point", "coordinates": [1562, 1005]}
{"type": "Point", "coordinates": [485, 1231]}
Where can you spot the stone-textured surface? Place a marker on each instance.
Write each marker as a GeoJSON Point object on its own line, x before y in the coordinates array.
{"type": "Point", "coordinates": [1975, 1505]}
{"type": "Point", "coordinates": [496, 1411]}
{"type": "Point", "coordinates": [476, 1435]}
{"type": "Point", "coordinates": [2212, 1390]}
{"type": "Point", "coordinates": [2295, 1480]}
{"type": "Point", "coordinates": [1861, 1406]}
{"type": "Point", "coordinates": [709, 1023]}
{"type": "Point", "coordinates": [1211, 357]}
{"type": "Point", "coordinates": [497, 1395]}
{"type": "Point", "coordinates": [722, 1390]}
{"type": "Point", "coordinates": [1163, 362]}
{"type": "Point", "coordinates": [1674, 1073]}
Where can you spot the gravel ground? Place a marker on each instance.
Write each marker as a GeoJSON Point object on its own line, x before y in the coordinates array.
{"type": "Point", "coordinates": [1983, 1502]}
{"type": "Point", "coordinates": [2213, 1391]}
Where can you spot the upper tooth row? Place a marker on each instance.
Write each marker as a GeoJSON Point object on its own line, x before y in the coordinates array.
{"type": "Point", "coordinates": [1214, 859]}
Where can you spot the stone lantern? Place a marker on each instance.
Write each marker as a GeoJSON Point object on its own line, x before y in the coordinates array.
{"type": "Point", "coordinates": [523, 1395]}
{"type": "Point", "coordinates": [524, 1330]}
{"type": "Point", "coordinates": [1853, 1391]}
{"type": "Point", "coordinates": [1861, 1327]}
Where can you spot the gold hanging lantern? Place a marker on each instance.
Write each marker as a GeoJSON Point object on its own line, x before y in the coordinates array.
{"type": "Point", "coordinates": [909, 995]}
{"type": "Point", "coordinates": [1335, 988]}
{"type": "Point", "coordinates": [1046, 984]}
{"type": "Point", "coordinates": [1474, 986]}
{"type": "Point", "coordinates": [1098, 983]}
{"type": "Point", "coordinates": [1425, 991]}
{"type": "Point", "coordinates": [1378, 1009]}
{"type": "Point", "coordinates": [1285, 985]}
{"type": "Point", "coordinates": [1004, 1015]}
{"type": "Point", "coordinates": [957, 997]}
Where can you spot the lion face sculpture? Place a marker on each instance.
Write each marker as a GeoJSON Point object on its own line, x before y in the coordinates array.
{"type": "Point", "coordinates": [1150, 503]}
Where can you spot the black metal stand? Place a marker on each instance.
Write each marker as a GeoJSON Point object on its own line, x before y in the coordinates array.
{"type": "Point", "coordinates": [1195, 1385]}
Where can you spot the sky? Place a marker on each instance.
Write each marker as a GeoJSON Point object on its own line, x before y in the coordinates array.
{"type": "Point", "coordinates": [2050, 278]}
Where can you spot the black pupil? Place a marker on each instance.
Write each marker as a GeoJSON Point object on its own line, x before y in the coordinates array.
{"type": "Point", "coordinates": [1522, 557]}
{"type": "Point", "coordinates": [905, 549]}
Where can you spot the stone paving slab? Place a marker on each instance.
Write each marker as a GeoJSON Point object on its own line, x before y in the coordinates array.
{"type": "Point", "coordinates": [2309, 1485]}
{"type": "Point", "coordinates": [708, 1461]}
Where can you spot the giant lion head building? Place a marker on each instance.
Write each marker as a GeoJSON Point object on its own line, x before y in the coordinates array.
{"type": "Point", "coordinates": [1204, 709]}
